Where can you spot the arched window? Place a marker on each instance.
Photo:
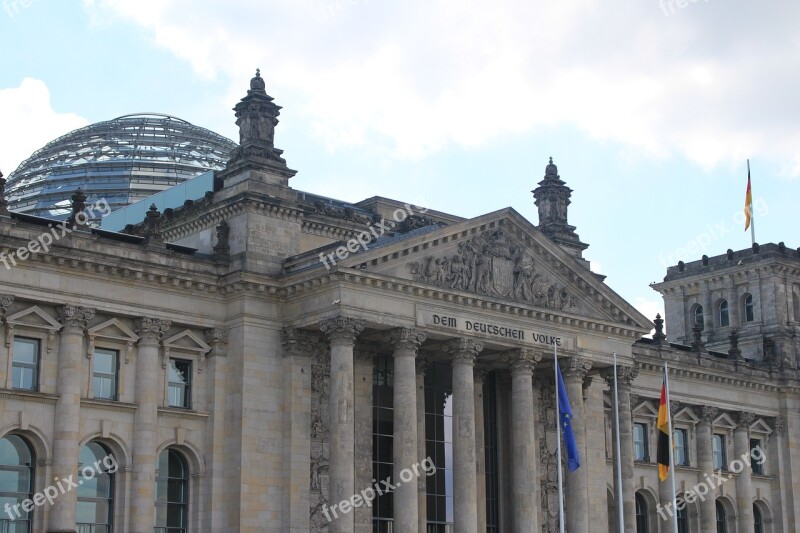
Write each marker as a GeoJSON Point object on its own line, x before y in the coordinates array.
{"type": "Point", "coordinates": [796, 306]}
{"type": "Point", "coordinates": [758, 521]}
{"type": "Point", "coordinates": [96, 493]}
{"type": "Point", "coordinates": [698, 316]}
{"type": "Point", "coordinates": [16, 483]}
{"type": "Point", "coordinates": [724, 318]}
{"type": "Point", "coordinates": [683, 520]}
{"type": "Point", "coordinates": [641, 514]}
{"type": "Point", "coordinates": [749, 316]}
{"type": "Point", "coordinates": [172, 493]}
{"type": "Point", "coordinates": [722, 518]}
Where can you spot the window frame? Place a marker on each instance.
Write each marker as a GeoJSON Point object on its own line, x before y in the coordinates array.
{"type": "Point", "coordinates": [645, 456]}
{"type": "Point", "coordinates": [685, 448]}
{"type": "Point", "coordinates": [37, 366]}
{"type": "Point", "coordinates": [31, 470]}
{"type": "Point", "coordinates": [724, 314]}
{"type": "Point", "coordinates": [721, 517]}
{"type": "Point", "coordinates": [749, 305]}
{"type": "Point", "coordinates": [721, 437]}
{"type": "Point", "coordinates": [756, 468]}
{"type": "Point", "coordinates": [183, 505]}
{"type": "Point", "coordinates": [699, 312]}
{"type": "Point", "coordinates": [110, 499]}
{"type": "Point", "coordinates": [642, 525]}
{"type": "Point", "coordinates": [186, 386]}
{"type": "Point", "coordinates": [115, 377]}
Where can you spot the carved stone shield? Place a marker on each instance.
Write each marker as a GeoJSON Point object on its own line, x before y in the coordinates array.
{"type": "Point", "coordinates": [502, 276]}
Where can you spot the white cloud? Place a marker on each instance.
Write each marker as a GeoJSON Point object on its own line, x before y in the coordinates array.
{"type": "Point", "coordinates": [35, 122]}
{"type": "Point", "coordinates": [649, 307]}
{"type": "Point", "coordinates": [411, 78]}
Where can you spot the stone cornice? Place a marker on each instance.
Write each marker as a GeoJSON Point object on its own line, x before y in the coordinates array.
{"type": "Point", "coordinates": [108, 405]}
{"type": "Point", "coordinates": [28, 396]}
{"type": "Point", "coordinates": [185, 414]}
{"type": "Point", "coordinates": [709, 375]}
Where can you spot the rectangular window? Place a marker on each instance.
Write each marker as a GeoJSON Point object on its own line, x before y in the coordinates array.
{"type": "Point", "coordinates": [382, 439]}
{"type": "Point", "coordinates": [104, 374]}
{"type": "Point", "coordinates": [681, 448]}
{"type": "Point", "coordinates": [25, 365]}
{"type": "Point", "coordinates": [718, 447]}
{"type": "Point", "coordinates": [640, 451]}
{"type": "Point", "coordinates": [490, 440]}
{"type": "Point", "coordinates": [758, 467]}
{"type": "Point", "coordinates": [180, 383]}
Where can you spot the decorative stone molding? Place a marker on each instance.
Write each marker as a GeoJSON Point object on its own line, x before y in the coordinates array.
{"type": "Point", "coordinates": [217, 338]}
{"type": "Point", "coordinates": [406, 339]}
{"type": "Point", "coordinates": [5, 303]}
{"type": "Point", "coordinates": [297, 342]}
{"type": "Point", "coordinates": [574, 367]}
{"type": "Point", "coordinates": [463, 351]}
{"type": "Point", "coordinates": [744, 419]}
{"type": "Point", "coordinates": [779, 425]}
{"type": "Point", "coordinates": [151, 330]}
{"type": "Point", "coordinates": [186, 341]}
{"type": "Point", "coordinates": [74, 318]}
{"type": "Point", "coordinates": [674, 407]}
{"type": "Point", "coordinates": [522, 359]}
{"type": "Point", "coordinates": [342, 330]}
{"type": "Point", "coordinates": [625, 375]}
{"type": "Point", "coordinates": [634, 400]}
{"type": "Point", "coordinates": [708, 414]}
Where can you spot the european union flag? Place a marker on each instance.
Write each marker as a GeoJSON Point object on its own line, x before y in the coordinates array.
{"type": "Point", "coordinates": [565, 418]}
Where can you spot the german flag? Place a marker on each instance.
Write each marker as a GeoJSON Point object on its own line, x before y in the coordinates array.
{"type": "Point", "coordinates": [748, 201]}
{"type": "Point", "coordinates": [663, 434]}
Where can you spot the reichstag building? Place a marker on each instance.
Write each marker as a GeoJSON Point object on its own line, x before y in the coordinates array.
{"type": "Point", "coordinates": [262, 359]}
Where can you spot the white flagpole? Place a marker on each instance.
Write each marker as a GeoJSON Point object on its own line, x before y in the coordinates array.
{"type": "Point", "coordinates": [615, 401]}
{"type": "Point", "coordinates": [671, 455]}
{"type": "Point", "coordinates": [750, 207]}
{"type": "Point", "coordinates": [558, 452]}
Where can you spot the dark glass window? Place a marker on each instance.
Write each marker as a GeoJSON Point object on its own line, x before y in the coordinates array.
{"type": "Point", "coordinates": [96, 495]}
{"type": "Point", "coordinates": [718, 450]}
{"type": "Point", "coordinates": [640, 448]}
{"type": "Point", "coordinates": [104, 374]}
{"type": "Point", "coordinates": [172, 493]}
{"type": "Point", "coordinates": [439, 446]}
{"type": "Point", "coordinates": [16, 483]}
{"type": "Point", "coordinates": [490, 436]}
{"type": "Point", "coordinates": [758, 467]}
{"type": "Point", "coordinates": [25, 365]}
{"type": "Point", "coordinates": [641, 514]}
{"type": "Point", "coordinates": [382, 439]}
{"type": "Point", "coordinates": [724, 318]}
{"type": "Point", "coordinates": [748, 308]}
{"type": "Point", "coordinates": [758, 520]}
{"type": "Point", "coordinates": [698, 316]}
{"type": "Point", "coordinates": [681, 448]}
{"type": "Point", "coordinates": [722, 519]}
{"type": "Point", "coordinates": [180, 383]}
{"type": "Point", "coordinates": [683, 520]}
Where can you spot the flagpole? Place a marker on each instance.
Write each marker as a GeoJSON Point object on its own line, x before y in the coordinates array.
{"type": "Point", "coordinates": [620, 506]}
{"type": "Point", "coordinates": [671, 454]}
{"type": "Point", "coordinates": [750, 207]}
{"type": "Point", "coordinates": [558, 451]}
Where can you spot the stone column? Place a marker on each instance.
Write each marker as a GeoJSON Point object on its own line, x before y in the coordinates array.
{"type": "Point", "coordinates": [342, 333]}
{"type": "Point", "coordinates": [595, 463]}
{"type": "Point", "coordinates": [406, 496]}
{"type": "Point", "coordinates": [733, 303]}
{"type": "Point", "coordinates": [744, 480]}
{"type": "Point", "coordinates": [297, 349]}
{"type": "Point", "coordinates": [463, 353]}
{"type": "Point", "coordinates": [66, 436]}
{"type": "Point", "coordinates": [708, 313]}
{"type": "Point", "coordinates": [574, 370]}
{"type": "Point", "coordinates": [480, 448]}
{"type": "Point", "coordinates": [625, 376]}
{"type": "Point", "coordinates": [145, 422]}
{"type": "Point", "coordinates": [705, 462]}
{"type": "Point", "coordinates": [524, 471]}
{"type": "Point", "coordinates": [422, 448]}
{"type": "Point", "coordinates": [364, 354]}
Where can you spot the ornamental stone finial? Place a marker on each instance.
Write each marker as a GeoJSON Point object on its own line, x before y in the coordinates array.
{"type": "Point", "coordinates": [342, 330]}
{"type": "Point", "coordinates": [406, 338]}
{"type": "Point", "coordinates": [658, 336]}
{"type": "Point", "coordinates": [463, 351]}
{"type": "Point", "coordinates": [150, 330]}
{"type": "Point", "coordinates": [74, 318]}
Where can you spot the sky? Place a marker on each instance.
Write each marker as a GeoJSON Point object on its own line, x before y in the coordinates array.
{"type": "Point", "coordinates": [650, 109]}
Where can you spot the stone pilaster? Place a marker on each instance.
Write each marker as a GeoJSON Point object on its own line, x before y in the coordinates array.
{"type": "Point", "coordinates": [298, 346]}
{"type": "Point", "coordinates": [480, 447]}
{"type": "Point", "coordinates": [364, 354]}
{"type": "Point", "coordinates": [463, 353]}
{"type": "Point", "coordinates": [66, 436]}
{"type": "Point", "coordinates": [708, 313]}
{"type": "Point", "coordinates": [145, 422]}
{"type": "Point", "coordinates": [574, 370]}
{"type": "Point", "coordinates": [342, 333]}
{"type": "Point", "coordinates": [733, 303]}
{"type": "Point", "coordinates": [705, 462]}
{"type": "Point", "coordinates": [216, 376]}
{"type": "Point", "coordinates": [422, 449]}
{"type": "Point", "coordinates": [625, 377]}
{"type": "Point", "coordinates": [524, 471]}
{"type": "Point", "coordinates": [744, 479]}
{"type": "Point", "coordinates": [406, 503]}
{"type": "Point", "coordinates": [595, 462]}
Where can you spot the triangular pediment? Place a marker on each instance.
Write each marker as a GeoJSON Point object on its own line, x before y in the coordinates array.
{"type": "Point", "coordinates": [645, 409]}
{"type": "Point", "coordinates": [759, 426]}
{"type": "Point", "coordinates": [499, 255]}
{"type": "Point", "coordinates": [687, 416]}
{"type": "Point", "coordinates": [724, 421]}
{"type": "Point", "coordinates": [187, 341]}
{"type": "Point", "coordinates": [113, 329]}
{"type": "Point", "coordinates": [34, 317]}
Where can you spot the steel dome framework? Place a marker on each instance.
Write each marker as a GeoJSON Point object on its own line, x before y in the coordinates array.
{"type": "Point", "coordinates": [122, 160]}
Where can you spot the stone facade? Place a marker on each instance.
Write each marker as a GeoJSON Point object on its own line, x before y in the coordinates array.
{"type": "Point", "coordinates": [273, 307]}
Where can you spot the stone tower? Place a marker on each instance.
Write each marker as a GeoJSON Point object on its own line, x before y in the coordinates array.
{"type": "Point", "coordinates": [552, 198]}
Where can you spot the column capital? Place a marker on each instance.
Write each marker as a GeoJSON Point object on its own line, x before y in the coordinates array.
{"type": "Point", "coordinates": [297, 341]}
{"type": "Point", "coordinates": [778, 424]}
{"type": "Point", "coordinates": [574, 367]}
{"type": "Point", "coordinates": [217, 338]}
{"type": "Point", "coordinates": [342, 330]}
{"type": "Point", "coordinates": [74, 318]}
{"type": "Point", "coordinates": [463, 351]}
{"type": "Point", "coordinates": [744, 419]}
{"type": "Point", "coordinates": [406, 339]}
{"type": "Point", "coordinates": [522, 359]}
{"type": "Point", "coordinates": [625, 375]}
{"type": "Point", "coordinates": [150, 330]}
{"type": "Point", "coordinates": [708, 413]}
{"type": "Point", "coordinates": [5, 302]}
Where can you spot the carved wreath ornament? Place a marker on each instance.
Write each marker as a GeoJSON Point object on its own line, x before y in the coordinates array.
{"type": "Point", "coordinates": [490, 264]}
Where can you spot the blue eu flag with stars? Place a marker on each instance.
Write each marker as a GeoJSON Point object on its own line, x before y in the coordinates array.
{"type": "Point", "coordinates": [565, 419]}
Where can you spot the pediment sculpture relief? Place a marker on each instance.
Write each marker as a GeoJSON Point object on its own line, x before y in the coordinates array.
{"type": "Point", "coordinates": [492, 265]}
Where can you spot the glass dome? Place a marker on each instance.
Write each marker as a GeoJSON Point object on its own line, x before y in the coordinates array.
{"type": "Point", "coordinates": [123, 160]}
